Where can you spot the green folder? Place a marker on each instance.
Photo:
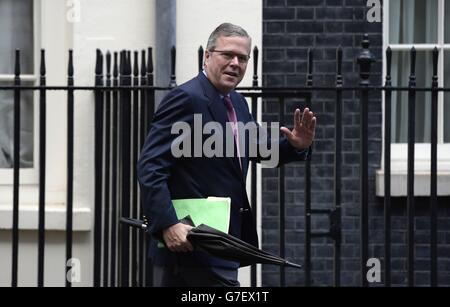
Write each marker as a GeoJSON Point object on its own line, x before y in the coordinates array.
{"type": "Point", "coordinates": [211, 211]}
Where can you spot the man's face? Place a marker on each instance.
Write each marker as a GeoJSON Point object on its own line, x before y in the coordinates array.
{"type": "Point", "coordinates": [226, 64]}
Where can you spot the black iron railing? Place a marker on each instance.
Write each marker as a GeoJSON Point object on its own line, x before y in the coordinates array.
{"type": "Point", "coordinates": [124, 106]}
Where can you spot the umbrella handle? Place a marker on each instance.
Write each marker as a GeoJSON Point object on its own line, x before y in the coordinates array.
{"type": "Point", "coordinates": [294, 265]}
{"type": "Point", "coordinates": [134, 223]}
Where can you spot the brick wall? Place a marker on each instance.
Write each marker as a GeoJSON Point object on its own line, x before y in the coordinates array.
{"type": "Point", "coordinates": [290, 28]}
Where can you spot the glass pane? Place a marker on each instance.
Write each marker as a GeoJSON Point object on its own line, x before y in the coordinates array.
{"type": "Point", "coordinates": [413, 21]}
{"type": "Point", "coordinates": [400, 76]}
{"type": "Point", "coordinates": [447, 21]}
{"type": "Point", "coordinates": [16, 24]}
{"type": "Point", "coordinates": [447, 98]}
{"type": "Point", "coordinates": [7, 128]}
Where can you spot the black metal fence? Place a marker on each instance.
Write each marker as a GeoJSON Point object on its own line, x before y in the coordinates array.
{"type": "Point", "coordinates": [124, 104]}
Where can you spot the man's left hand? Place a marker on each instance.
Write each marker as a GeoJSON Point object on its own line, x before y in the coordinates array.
{"type": "Point", "coordinates": [302, 135]}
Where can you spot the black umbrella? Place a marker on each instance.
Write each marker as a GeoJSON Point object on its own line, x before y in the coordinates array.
{"type": "Point", "coordinates": [221, 245]}
{"type": "Point", "coordinates": [225, 246]}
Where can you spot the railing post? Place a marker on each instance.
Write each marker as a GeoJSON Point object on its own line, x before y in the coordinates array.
{"type": "Point", "coordinates": [281, 199]}
{"type": "Point", "coordinates": [125, 103]}
{"type": "Point", "coordinates": [134, 156]}
{"type": "Point", "coordinates": [433, 179]}
{"type": "Point", "coordinates": [142, 135]}
{"type": "Point", "coordinates": [173, 56]}
{"type": "Point", "coordinates": [143, 100]}
{"type": "Point", "coordinates": [387, 171]}
{"type": "Point", "coordinates": [98, 152]}
{"type": "Point", "coordinates": [70, 147]}
{"type": "Point", "coordinates": [107, 185]}
{"type": "Point", "coordinates": [308, 281]}
{"type": "Point", "coordinates": [336, 225]}
{"type": "Point", "coordinates": [411, 154]}
{"type": "Point", "coordinates": [42, 167]}
{"type": "Point", "coordinates": [16, 173]}
{"type": "Point", "coordinates": [253, 175]}
{"type": "Point", "coordinates": [365, 59]}
{"type": "Point", "coordinates": [115, 170]}
{"type": "Point", "coordinates": [150, 100]}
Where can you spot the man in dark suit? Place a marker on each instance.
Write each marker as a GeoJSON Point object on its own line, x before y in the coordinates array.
{"type": "Point", "coordinates": [163, 176]}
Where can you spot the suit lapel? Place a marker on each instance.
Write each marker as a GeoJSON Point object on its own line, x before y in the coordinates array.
{"type": "Point", "coordinates": [219, 113]}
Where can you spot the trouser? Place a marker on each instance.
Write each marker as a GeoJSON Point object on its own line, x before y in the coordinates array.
{"type": "Point", "coordinates": [191, 276]}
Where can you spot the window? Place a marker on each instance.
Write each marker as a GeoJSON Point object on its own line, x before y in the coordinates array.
{"type": "Point", "coordinates": [447, 84]}
{"type": "Point", "coordinates": [30, 25]}
{"type": "Point", "coordinates": [424, 24]}
{"type": "Point", "coordinates": [16, 22]}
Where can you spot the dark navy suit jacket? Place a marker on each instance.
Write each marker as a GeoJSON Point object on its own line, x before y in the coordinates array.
{"type": "Point", "coordinates": [163, 177]}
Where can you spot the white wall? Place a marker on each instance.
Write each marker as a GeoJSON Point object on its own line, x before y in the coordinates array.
{"type": "Point", "coordinates": [104, 24]}
{"type": "Point", "coordinates": [108, 25]}
{"type": "Point", "coordinates": [54, 266]}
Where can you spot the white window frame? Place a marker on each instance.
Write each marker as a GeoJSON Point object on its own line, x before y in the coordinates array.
{"type": "Point", "coordinates": [55, 35]}
{"type": "Point", "coordinates": [422, 150]}
{"type": "Point", "coordinates": [28, 175]}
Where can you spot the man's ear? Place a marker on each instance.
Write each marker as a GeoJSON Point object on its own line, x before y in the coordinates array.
{"type": "Point", "coordinates": [206, 58]}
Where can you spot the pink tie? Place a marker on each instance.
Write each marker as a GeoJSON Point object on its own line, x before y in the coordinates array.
{"type": "Point", "coordinates": [233, 120]}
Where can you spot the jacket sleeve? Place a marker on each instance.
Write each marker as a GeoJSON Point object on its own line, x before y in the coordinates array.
{"type": "Point", "coordinates": [287, 152]}
{"type": "Point", "coordinates": [156, 160]}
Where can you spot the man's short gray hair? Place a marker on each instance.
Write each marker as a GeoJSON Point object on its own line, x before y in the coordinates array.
{"type": "Point", "coordinates": [226, 30]}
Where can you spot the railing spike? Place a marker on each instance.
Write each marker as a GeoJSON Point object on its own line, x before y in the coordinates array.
{"type": "Point", "coordinates": [413, 61]}
{"type": "Point", "coordinates": [17, 63]}
{"type": "Point", "coordinates": [150, 60]}
{"type": "Point", "coordinates": [339, 66]}
{"type": "Point", "coordinates": [435, 61]}
{"type": "Point", "coordinates": [200, 58]}
{"type": "Point", "coordinates": [310, 61]}
{"type": "Point", "coordinates": [108, 64]}
{"type": "Point", "coordinates": [98, 62]}
{"type": "Point", "coordinates": [388, 63]}
{"type": "Point", "coordinates": [143, 64]}
{"type": "Point", "coordinates": [365, 60]}
{"type": "Point", "coordinates": [136, 64]}
{"type": "Point", "coordinates": [70, 66]}
{"type": "Point", "coordinates": [43, 68]}
{"type": "Point", "coordinates": [173, 54]}
{"type": "Point", "coordinates": [309, 75]}
{"type": "Point", "coordinates": [255, 66]}
{"type": "Point", "coordinates": [128, 63]}
{"type": "Point", "coordinates": [116, 65]}
{"type": "Point", "coordinates": [122, 62]}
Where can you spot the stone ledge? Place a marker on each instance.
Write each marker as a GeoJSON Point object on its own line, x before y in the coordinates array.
{"type": "Point", "coordinates": [55, 217]}
{"type": "Point", "coordinates": [421, 183]}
